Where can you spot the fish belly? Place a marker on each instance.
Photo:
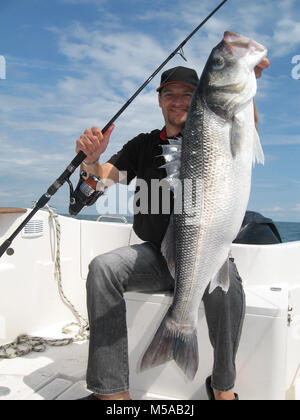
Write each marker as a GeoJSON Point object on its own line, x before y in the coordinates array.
{"type": "Point", "coordinates": [215, 200]}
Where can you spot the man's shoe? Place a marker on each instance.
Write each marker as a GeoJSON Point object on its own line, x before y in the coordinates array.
{"type": "Point", "coordinates": [90, 397]}
{"type": "Point", "coordinates": [210, 391]}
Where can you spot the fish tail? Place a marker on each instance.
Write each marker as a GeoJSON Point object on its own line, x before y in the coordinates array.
{"type": "Point", "coordinates": [171, 343]}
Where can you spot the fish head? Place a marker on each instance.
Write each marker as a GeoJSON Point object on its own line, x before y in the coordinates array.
{"type": "Point", "coordinates": [228, 80]}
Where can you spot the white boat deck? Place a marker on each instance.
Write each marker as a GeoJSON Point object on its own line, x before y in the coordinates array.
{"type": "Point", "coordinates": [56, 374]}
{"type": "Point", "coordinates": [268, 357]}
{"type": "Point", "coordinates": [59, 374]}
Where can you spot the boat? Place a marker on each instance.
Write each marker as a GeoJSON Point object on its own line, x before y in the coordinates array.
{"type": "Point", "coordinates": [44, 332]}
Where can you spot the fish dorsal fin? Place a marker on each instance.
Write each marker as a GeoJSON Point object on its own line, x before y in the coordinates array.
{"type": "Point", "coordinates": [258, 154]}
{"type": "Point", "coordinates": [172, 156]}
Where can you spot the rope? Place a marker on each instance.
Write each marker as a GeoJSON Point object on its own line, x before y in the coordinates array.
{"type": "Point", "coordinates": [81, 323]}
{"type": "Point", "coordinates": [24, 344]}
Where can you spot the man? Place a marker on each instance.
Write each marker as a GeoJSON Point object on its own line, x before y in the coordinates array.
{"type": "Point", "coordinates": [142, 268]}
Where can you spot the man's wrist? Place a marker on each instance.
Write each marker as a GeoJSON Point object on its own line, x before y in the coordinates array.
{"type": "Point", "coordinates": [87, 165]}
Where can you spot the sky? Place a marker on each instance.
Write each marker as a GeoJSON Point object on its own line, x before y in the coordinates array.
{"type": "Point", "coordinates": [68, 65]}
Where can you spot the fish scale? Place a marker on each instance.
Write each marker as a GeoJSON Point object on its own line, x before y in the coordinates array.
{"type": "Point", "coordinates": [213, 173]}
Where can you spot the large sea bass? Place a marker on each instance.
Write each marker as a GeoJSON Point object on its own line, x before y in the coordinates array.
{"type": "Point", "coordinates": [219, 146]}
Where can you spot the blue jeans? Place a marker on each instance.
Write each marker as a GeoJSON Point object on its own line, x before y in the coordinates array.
{"type": "Point", "coordinates": [142, 268]}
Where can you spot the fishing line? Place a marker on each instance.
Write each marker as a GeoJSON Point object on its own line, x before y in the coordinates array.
{"type": "Point", "coordinates": [64, 177]}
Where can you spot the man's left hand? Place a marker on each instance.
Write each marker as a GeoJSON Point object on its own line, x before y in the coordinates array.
{"type": "Point", "coordinates": [264, 64]}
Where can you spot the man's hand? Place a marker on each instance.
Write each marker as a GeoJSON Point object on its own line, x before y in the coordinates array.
{"type": "Point", "coordinates": [93, 143]}
{"type": "Point", "coordinates": [264, 64]}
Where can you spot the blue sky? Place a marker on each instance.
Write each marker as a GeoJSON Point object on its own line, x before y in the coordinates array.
{"type": "Point", "coordinates": [71, 64]}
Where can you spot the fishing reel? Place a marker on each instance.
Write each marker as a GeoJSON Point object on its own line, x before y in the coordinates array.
{"type": "Point", "coordinates": [87, 192]}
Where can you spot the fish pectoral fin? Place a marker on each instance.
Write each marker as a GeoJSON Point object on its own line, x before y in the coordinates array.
{"type": "Point", "coordinates": [237, 127]}
{"type": "Point", "coordinates": [258, 154]}
{"type": "Point", "coordinates": [221, 279]}
{"type": "Point", "coordinates": [237, 133]}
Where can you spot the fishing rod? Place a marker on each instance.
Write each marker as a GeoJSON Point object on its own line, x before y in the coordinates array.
{"type": "Point", "coordinates": [84, 194]}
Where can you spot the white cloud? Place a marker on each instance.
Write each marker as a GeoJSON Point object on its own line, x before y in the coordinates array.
{"type": "Point", "coordinates": [270, 158]}
{"type": "Point", "coordinates": [277, 208]}
{"type": "Point", "coordinates": [110, 65]}
{"type": "Point", "coordinates": [274, 209]}
{"type": "Point", "coordinates": [107, 60]}
{"type": "Point", "coordinates": [79, 2]}
{"type": "Point", "coordinates": [124, 55]}
{"type": "Point", "coordinates": [5, 194]}
{"type": "Point", "coordinates": [286, 36]}
{"type": "Point", "coordinates": [280, 139]}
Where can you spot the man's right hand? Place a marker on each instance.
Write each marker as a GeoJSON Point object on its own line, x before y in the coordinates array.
{"type": "Point", "coordinates": [93, 143]}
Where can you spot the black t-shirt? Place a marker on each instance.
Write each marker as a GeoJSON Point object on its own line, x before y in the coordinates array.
{"type": "Point", "coordinates": [141, 158]}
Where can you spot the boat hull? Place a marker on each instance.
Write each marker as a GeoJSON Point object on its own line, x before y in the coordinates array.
{"type": "Point", "coordinates": [30, 303]}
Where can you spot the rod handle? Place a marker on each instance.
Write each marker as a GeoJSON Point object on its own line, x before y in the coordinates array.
{"type": "Point", "coordinates": [4, 247]}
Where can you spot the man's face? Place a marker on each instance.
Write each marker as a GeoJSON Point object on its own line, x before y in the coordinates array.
{"type": "Point", "coordinates": [174, 101]}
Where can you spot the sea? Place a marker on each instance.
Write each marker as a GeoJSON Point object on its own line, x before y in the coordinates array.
{"type": "Point", "coordinates": [289, 231]}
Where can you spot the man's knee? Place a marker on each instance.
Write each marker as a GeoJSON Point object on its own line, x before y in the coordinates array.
{"type": "Point", "coordinates": [98, 263]}
{"type": "Point", "coordinates": [99, 268]}
{"type": "Point", "coordinates": [104, 264]}
{"type": "Point", "coordinates": [104, 274]}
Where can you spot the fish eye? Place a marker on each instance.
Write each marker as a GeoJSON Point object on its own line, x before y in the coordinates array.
{"type": "Point", "coordinates": [218, 63]}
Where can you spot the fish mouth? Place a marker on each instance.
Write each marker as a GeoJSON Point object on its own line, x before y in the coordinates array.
{"type": "Point", "coordinates": [240, 46]}
{"type": "Point", "coordinates": [236, 40]}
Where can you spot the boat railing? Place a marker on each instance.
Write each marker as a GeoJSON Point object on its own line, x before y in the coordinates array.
{"type": "Point", "coordinates": [122, 218]}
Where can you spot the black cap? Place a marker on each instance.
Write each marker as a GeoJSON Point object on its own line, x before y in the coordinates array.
{"type": "Point", "coordinates": [182, 75]}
